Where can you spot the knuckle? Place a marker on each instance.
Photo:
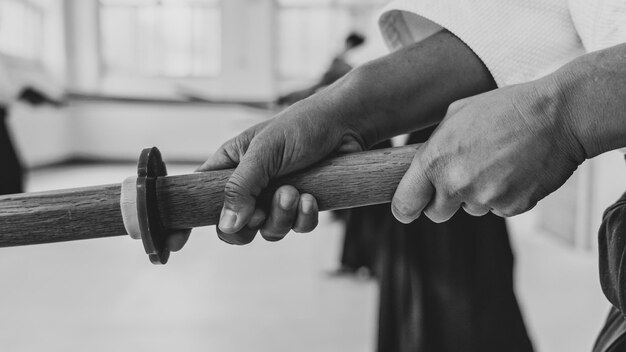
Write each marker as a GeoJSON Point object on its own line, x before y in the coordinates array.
{"type": "Point", "coordinates": [518, 208]}
{"type": "Point", "coordinates": [234, 188]}
{"type": "Point", "coordinates": [434, 215]}
{"type": "Point", "coordinates": [502, 213]}
{"type": "Point", "coordinates": [456, 106]}
{"type": "Point", "coordinates": [460, 184]}
{"type": "Point", "coordinates": [489, 198]}
{"type": "Point", "coordinates": [240, 146]}
{"type": "Point", "coordinates": [509, 211]}
{"type": "Point", "coordinates": [475, 210]}
{"type": "Point", "coordinates": [436, 168]}
{"type": "Point", "coordinates": [449, 191]}
{"type": "Point", "coordinates": [508, 204]}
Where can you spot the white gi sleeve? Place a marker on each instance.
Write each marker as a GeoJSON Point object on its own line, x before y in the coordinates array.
{"type": "Point", "coordinates": [600, 23]}
{"type": "Point", "coordinates": [517, 40]}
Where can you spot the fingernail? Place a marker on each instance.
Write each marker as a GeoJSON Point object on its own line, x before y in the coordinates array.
{"type": "Point", "coordinates": [286, 201]}
{"type": "Point", "coordinates": [307, 206]}
{"type": "Point", "coordinates": [401, 213]}
{"type": "Point", "coordinates": [227, 220]}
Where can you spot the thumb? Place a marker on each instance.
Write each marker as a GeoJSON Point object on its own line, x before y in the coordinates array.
{"type": "Point", "coordinates": [413, 193]}
{"type": "Point", "coordinates": [231, 152]}
{"type": "Point", "coordinates": [219, 160]}
{"type": "Point", "coordinates": [241, 190]}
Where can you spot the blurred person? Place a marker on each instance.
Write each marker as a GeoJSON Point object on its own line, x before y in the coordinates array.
{"type": "Point", "coordinates": [340, 65]}
{"type": "Point", "coordinates": [15, 88]}
{"type": "Point", "coordinates": [364, 230]}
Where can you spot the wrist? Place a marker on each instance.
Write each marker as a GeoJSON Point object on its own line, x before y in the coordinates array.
{"type": "Point", "coordinates": [590, 92]}
{"type": "Point", "coordinates": [350, 100]}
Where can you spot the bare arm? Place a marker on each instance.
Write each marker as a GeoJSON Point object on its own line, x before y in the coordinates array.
{"type": "Point", "coordinates": [592, 93]}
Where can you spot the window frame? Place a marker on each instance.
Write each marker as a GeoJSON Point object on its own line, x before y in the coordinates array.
{"type": "Point", "coordinates": [331, 5]}
{"type": "Point", "coordinates": [37, 59]}
{"type": "Point", "coordinates": [106, 72]}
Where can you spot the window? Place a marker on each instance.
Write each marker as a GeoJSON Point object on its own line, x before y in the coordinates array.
{"type": "Point", "coordinates": [311, 32]}
{"type": "Point", "coordinates": [176, 38]}
{"type": "Point", "coordinates": [21, 29]}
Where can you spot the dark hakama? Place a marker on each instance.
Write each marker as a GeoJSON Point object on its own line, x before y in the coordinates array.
{"type": "Point", "coordinates": [10, 166]}
{"type": "Point", "coordinates": [611, 251]}
{"type": "Point", "coordinates": [364, 226]}
{"type": "Point", "coordinates": [448, 287]}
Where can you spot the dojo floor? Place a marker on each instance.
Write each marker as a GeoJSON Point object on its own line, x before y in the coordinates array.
{"type": "Point", "coordinates": [103, 295]}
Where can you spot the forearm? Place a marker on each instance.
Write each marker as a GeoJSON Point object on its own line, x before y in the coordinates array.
{"type": "Point", "coordinates": [591, 96]}
{"type": "Point", "coordinates": [410, 89]}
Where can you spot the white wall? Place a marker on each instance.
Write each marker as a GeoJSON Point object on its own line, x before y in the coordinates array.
{"type": "Point", "coordinates": [247, 56]}
{"type": "Point", "coordinates": [187, 132]}
{"type": "Point", "coordinates": [41, 136]}
{"type": "Point", "coordinates": [574, 212]}
{"type": "Point", "coordinates": [119, 131]}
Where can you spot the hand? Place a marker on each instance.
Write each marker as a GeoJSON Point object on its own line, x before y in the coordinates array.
{"type": "Point", "coordinates": [501, 151]}
{"type": "Point", "coordinates": [294, 97]}
{"type": "Point", "coordinates": [300, 136]}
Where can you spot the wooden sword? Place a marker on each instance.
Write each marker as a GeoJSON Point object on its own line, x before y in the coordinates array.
{"type": "Point", "coordinates": [151, 205]}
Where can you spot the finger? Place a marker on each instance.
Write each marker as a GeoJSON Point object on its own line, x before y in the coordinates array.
{"type": "Point", "coordinates": [441, 208]}
{"type": "Point", "coordinates": [512, 210]}
{"type": "Point", "coordinates": [307, 216]}
{"type": "Point", "coordinates": [283, 212]}
{"type": "Point", "coordinates": [176, 240]}
{"type": "Point", "coordinates": [241, 190]}
{"type": "Point", "coordinates": [474, 209]}
{"type": "Point", "coordinates": [498, 213]}
{"type": "Point", "coordinates": [413, 193]}
{"type": "Point", "coordinates": [247, 234]}
{"type": "Point", "coordinates": [350, 144]}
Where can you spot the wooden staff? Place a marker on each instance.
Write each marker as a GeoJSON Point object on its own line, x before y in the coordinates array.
{"type": "Point", "coordinates": [194, 200]}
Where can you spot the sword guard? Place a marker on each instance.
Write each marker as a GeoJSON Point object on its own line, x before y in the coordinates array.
{"type": "Point", "coordinates": [153, 233]}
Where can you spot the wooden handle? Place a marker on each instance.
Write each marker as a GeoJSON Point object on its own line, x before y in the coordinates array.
{"type": "Point", "coordinates": [194, 200]}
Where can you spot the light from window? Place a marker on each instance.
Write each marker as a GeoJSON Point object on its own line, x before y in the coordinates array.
{"type": "Point", "coordinates": [311, 32]}
{"type": "Point", "coordinates": [179, 38]}
{"type": "Point", "coordinates": [21, 29]}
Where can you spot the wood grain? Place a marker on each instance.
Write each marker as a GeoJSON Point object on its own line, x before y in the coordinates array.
{"type": "Point", "coordinates": [194, 200]}
{"type": "Point", "coordinates": [64, 215]}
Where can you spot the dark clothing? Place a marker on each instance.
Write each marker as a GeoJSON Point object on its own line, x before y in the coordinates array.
{"type": "Point", "coordinates": [337, 69]}
{"type": "Point", "coordinates": [612, 250]}
{"type": "Point", "coordinates": [364, 226]}
{"type": "Point", "coordinates": [360, 245]}
{"type": "Point", "coordinates": [448, 287]}
{"type": "Point", "coordinates": [612, 338]}
{"type": "Point", "coordinates": [11, 174]}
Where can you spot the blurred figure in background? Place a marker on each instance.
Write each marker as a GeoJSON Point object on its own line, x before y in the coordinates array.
{"type": "Point", "coordinates": [15, 88]}
{"type": "Point", "coordinates": [363, 225]}
{"type": "Point", "coordinates": [365, 230]}
{"type": "Point", "coordinates": [340, 65]}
